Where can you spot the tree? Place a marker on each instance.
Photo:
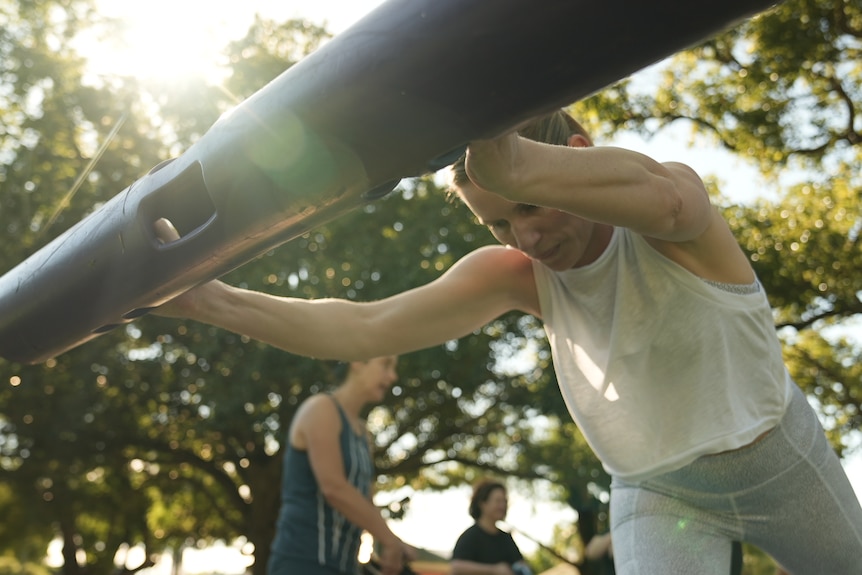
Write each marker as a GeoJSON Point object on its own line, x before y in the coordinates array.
{"type": "Point", "coordinates": [57, 461]}
{"type": "Point", "coordinates": [168, 432]}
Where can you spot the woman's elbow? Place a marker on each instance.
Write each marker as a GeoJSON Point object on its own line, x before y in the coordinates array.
{"type": "Point", "coordinates": [682, 214]}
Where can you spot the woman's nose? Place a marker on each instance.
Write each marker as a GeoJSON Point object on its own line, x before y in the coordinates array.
{"type": "Point", "coordinates": [526, 236]}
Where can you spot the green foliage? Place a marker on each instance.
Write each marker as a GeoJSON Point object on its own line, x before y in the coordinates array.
{"type": "Point", "coordinates": [756, 562]}
{"type": "Point", "coordinates": [806, 251]}
{"type": "Point", "coordinates": [782, 88]}
{"type": "Point", "coordinates": [13, 566]}
{"type": "Point", "coordinates": [20, 530]}
{"type": "Point", "coordinates": [267, 50]}
{"type": "Point", "coordinates": [565, 544]}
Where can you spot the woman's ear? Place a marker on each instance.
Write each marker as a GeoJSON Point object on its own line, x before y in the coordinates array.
{"type": "Point", "coordinates": [578, 141]}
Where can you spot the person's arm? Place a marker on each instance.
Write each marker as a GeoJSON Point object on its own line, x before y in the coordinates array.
{"type": "Point", "coordinates": [316, 430]}
{"type": "Point", "coordinates": [392, 557]}
{"type": "Point", "coordinates": [480, 287]}
{"type": "Point", "coordinates": [598, 547]}
{"type": "Point", "coordinates": [667, 203]}
{"type": "Point", "coordinates": [603, 184]}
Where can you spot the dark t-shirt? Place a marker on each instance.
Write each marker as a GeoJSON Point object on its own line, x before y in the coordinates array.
{"type": "Point", "coordinates": [477, 545]}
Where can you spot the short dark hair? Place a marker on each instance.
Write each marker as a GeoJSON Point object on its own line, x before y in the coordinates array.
{"type": "Point", "coordinates": [338, 370]}
{"type": "Point", "coordinates": [481, 492]}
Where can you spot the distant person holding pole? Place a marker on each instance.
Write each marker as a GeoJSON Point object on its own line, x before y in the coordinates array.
{"type": "Point", "coordinates": [485, 549]}
{"type": "Point", "coordinates": [663, 342]}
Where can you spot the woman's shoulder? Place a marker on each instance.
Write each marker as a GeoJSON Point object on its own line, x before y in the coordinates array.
{"type": "Point", "coordinates": [318, 408]}
{"type": "Point", "coordinates": [468, 536]}
{"type": "Point", "coordinates": [497, 254]}
{"type": "Point", "coordinates": [318, 401]}
{"type": "Point", "coordinates": [475, 530]}
{"type": "Point", "coordinates": [317, 415]}
{"type": "Point", "coordinates": [502, 269]}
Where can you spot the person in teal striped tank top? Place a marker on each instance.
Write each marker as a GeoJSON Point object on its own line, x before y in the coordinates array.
{"type": "Point", "coordinates": [327, 480]}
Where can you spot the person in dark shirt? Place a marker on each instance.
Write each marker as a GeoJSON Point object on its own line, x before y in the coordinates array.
{"type": "Point", "coordinates": [484, 549]}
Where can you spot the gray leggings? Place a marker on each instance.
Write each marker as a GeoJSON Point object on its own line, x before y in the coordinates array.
{"type": "Point", "coordinates": [786, 494]}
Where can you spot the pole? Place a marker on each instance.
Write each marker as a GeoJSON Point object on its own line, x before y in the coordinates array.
{"type": "Point", "coordinates": [398, 94]}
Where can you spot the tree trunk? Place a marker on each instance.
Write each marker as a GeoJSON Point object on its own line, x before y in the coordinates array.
{"type": "Point", "coordinates": [70, 549]}
{"type": "Point", "coordinates": [177, 560]}
{"type": "Point", "coordinates": [265, 483]}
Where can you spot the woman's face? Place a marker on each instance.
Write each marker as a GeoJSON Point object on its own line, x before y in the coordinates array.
{"type": "Point", "coordinates": [557, 239]}
{"type": "Point", "coordinates": [378, 375]}
{"type": "Point", "coordinates": [496, 506]}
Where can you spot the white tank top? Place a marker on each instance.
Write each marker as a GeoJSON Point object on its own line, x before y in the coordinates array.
{"type": "Point", "coordinates": [657, 366]}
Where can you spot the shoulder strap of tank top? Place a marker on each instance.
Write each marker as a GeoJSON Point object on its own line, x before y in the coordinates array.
{"type": "Point", "coordinates": [345, 421]}
{"type": "Point", "coordinates": [343, 415]}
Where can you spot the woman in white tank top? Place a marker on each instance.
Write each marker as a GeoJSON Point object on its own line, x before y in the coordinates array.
{"type": "Point", "coordinates": [662, 339]}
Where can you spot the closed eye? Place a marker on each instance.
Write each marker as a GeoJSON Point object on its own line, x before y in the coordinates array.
{"type": "Point", "coordinates": [498, 226]}
{"type": "Point", "coordinates": [503, 226]}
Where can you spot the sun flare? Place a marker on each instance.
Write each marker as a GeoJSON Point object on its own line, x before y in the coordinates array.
{"type": "Point", "coordinates": [166, 40]}
{"type": "Point", "coordinates": [161, 40]}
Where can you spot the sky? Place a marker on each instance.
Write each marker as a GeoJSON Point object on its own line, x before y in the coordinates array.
{"type": "Point", "coordinates": [171, 38]}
